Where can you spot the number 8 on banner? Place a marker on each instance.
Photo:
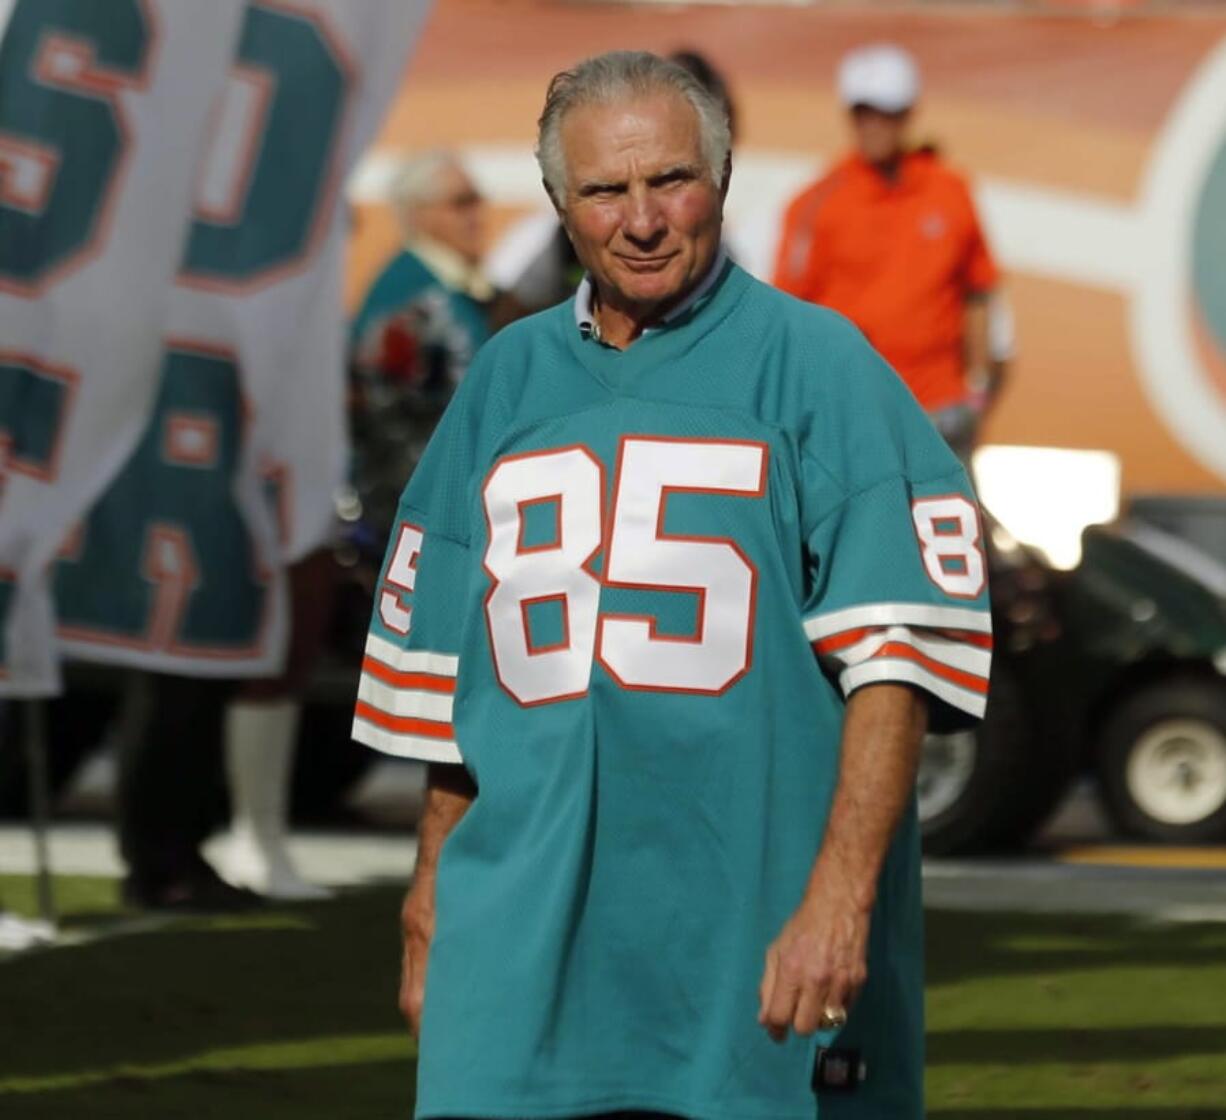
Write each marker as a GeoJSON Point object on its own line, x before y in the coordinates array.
{"type": "Point", "coordinates": [948, 530]}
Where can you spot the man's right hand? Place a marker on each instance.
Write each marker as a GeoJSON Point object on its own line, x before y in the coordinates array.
{"type": "Point", "coordinates": [450, 792]}
{"type": "Point", "coordinates": [417, 929]}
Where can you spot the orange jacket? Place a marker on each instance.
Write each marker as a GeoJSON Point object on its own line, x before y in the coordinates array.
{"type": "Point", "coordinates": [899, 258]}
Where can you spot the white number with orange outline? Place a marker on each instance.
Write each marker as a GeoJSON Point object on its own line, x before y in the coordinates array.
{"type": "Point", "coordinates": [641, 555]}
{"type": "Point", "coordinates": [573, 479]}
{"type": "Point", "coordinates": [959, 545]}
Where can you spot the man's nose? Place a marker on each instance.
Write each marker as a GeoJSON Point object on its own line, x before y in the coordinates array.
{"type": "Point", "coordinates": [644, 220]}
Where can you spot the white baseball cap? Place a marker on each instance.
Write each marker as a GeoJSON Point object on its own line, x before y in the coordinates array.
{"type": "Point", "coordinates": [881, 76]}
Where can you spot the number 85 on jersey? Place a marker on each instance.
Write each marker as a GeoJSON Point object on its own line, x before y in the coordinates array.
{"type": "Point", "coordinates": [568, 483]}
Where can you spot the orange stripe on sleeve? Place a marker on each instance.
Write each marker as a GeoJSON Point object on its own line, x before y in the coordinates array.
{"type": "Point", "coordinates": [845, 638]}
{"type": "Point", "coordinates": [954, 676]}
{"type": "Point", "coordinates": [426, 682]}
{"type": "Point", "coordinates": [406, 725]}
{"type": "Point", "coordinates": [966, 637]}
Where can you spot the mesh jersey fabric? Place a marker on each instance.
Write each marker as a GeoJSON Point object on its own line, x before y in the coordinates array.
{"type": "Point", "coordinates": [630, 591]}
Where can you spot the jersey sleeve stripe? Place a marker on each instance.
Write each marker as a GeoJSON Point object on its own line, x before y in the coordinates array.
{"type": "Point", "coordinates": [394, 701]}
{"type": "Point", "coordinates": [930, 617]}
{"type": "Point", "coordinates": [969, 681]}
{"type": "Point", "coordinates": [411, 660]}
{"type": "Point", "coordinates": [405, 746]}
{"type": "Point", "coordinates": [966, 637]}
{"type": "Point", "coordinates": [836, 643]}
{"type": "Point", "coordinates": [955, 653]}
{"type": "Point", "coordinates": [885, 670]}
{"type": "Point", "coordinates": [405, 725]}
{"type": "Point", "coordinates": [426, 682]}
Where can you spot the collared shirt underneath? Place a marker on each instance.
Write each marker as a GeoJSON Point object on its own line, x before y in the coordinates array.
{"type": "Point", "coordinates": [452, 270]}
{"type": "Point", "coordinates": [585, 312]}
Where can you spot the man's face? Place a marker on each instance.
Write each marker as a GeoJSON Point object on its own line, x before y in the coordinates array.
{"type": "Point", "coordinates": [879, 137]}
{"type": "Point", "coordinates": [640, 206]}
{"type": "Point", "coordinates": [456, 216]}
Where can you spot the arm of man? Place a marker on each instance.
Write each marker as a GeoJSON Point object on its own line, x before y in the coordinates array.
{"type": "Point", "coordinates": [981, 370]}
{"type": "Point", "coordinates": [819, 958]}
{"type": "Point", "coordinates": [450, 792]}
{"type": "Point", "coordinates": [795, 270]}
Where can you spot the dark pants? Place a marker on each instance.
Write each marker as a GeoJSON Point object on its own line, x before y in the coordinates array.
{"type": "Point", "coordinates": [172, 792]}
{"type": "Point", "coordinates": [171, 784]}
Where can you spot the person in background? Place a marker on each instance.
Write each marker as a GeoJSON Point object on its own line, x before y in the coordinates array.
{"type": "Point", "coordinates": [890, 238]}
{"type": "Point", "coordinates": [534, 265]}
{"type": "Point", "coordinates": [414, 335]}
{"type": "Point", "coordinates": [418, 328]}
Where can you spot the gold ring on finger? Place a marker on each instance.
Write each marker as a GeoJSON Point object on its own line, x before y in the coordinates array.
{"type": "Point", "coordinates": [833, 1018]}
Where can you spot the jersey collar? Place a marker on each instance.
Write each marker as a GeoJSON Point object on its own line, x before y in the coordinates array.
{"type": "Point", "coordinates": [585, 317]}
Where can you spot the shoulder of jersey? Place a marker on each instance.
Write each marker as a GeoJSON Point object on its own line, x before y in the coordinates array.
{"type": "Point", "coordinates": [510, 352]}
{"type": "Point", "coordinates": [518, 338]}
{"type": "Point", "coordinates": [830, 347]}
{"type": "Point", "coordinates": [836, 384]}
{"type": "Point", "coordinates": [805, 320]}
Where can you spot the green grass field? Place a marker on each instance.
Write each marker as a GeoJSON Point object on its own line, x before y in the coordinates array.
{"type": "Point", "coordinates": [291, 1012]}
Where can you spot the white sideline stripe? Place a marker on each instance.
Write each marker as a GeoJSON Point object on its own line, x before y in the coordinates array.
{"type": "Point", "coordinates": [405, 746]}
{"type": "Point", "coordinates": [1066, 235]}
{"type": "Point", "coordinates": [1074, 236]}
{"type": "Point", "coordinates": [898, 614]}
{"type": "Point", "coordinates": [411, 660]}
{"type": "Point", "coordinates": [957, 655]}
{"type": "Point", "coordinates": [908, 672]}
{"type": "Point", "coordinates": [405, 701]}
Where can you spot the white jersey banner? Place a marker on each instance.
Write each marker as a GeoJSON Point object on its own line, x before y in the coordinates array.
{"type": "Point", "coordinates": [103, 112]}
{"type": "Point", "coordinates": [191, 442]}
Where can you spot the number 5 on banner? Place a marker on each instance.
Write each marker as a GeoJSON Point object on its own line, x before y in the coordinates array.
{"type": "Point", "coordinates": [641, 555]}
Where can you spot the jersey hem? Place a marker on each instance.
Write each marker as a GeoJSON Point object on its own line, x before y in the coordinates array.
{"type": "Point", "coordinates": [600, 1105]}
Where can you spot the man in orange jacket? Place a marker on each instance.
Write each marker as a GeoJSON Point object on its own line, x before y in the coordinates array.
{"type": "Point", "coordinates": [890, 238]}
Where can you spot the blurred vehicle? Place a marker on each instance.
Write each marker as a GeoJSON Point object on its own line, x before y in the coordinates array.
{"type": "Point", "coordinates": [1117, 667]}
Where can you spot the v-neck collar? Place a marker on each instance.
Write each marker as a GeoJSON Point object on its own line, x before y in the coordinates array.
{"type": "Point", "coordinates": [585, 304]}
{"type": "Point", "coordinates": [619, 369]}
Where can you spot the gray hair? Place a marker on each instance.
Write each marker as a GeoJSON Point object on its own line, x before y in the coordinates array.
{"type": "Point", "coordinates": [416, 180]}
{"type": "Point", "coordinates": [622, 75]}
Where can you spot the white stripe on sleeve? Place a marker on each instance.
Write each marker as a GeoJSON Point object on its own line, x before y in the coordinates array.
{"type": "Point", "coordinates": [898, 614]}
{"type": "Point", "coordinates": [405, 746]}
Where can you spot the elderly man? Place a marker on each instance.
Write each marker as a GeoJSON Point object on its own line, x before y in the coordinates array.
{"type": "Point", "coordinates": [419, 326]}
{"type": "Point", "coordinates": [890, 238]}
{"type": "Point", "coordinates": [681, 580]}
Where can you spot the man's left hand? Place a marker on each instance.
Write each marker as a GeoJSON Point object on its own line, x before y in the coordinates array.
{"type": "Point", "coordinates": [817, 962]}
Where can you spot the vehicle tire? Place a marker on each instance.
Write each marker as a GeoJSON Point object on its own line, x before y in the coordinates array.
{"type": "Point", "coordinates": [1162, 761]}
{"type": "Point", "coordinates": [990, 788]}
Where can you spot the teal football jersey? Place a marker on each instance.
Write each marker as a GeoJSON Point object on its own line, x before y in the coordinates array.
{"type": "Point", "coordinates": [630, 591]}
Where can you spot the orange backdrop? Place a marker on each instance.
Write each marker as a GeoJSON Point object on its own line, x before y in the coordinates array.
{"type": "Point", "coordinates": [1047, 104]}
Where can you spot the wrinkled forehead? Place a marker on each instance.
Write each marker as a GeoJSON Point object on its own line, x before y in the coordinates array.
{"type": "Point", "coordinates": [632, 137]}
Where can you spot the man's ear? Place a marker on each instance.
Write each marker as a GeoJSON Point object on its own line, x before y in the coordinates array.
{"type": "Point", "coordinates": [557, 206]}
{"type": "Point", "coordinates": [726, 179]}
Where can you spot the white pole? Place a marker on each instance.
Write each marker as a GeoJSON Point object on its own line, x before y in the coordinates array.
{"type": "Point", "coordinates": [35, 713]}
